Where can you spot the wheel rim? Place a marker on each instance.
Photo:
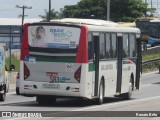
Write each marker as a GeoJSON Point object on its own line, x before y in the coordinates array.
{"type": "Point", "coordinates": [101, 94]}
{"type": "Point", "coordinates": [130, 89]}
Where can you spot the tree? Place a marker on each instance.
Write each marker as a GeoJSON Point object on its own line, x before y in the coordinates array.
{"type": "Point", "coordinates": [128, 10]}
{"type": "Point", "coordinates": [85, 9]}
{"type": "Point", "coordinates": [121, 10]}
{"type": "Point", "coordinates": [54, 14]}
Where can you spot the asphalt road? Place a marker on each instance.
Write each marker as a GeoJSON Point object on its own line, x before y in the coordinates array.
{"type": "Point", "coordinates": [146, 99]}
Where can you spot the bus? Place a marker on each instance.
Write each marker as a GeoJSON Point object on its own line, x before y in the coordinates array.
{"type": "Point", "coordinates": [80, 60]}
{"type": "Point", "coordinates": [150, 30]}
{"type": "Point", "coordinates": [126, 24]}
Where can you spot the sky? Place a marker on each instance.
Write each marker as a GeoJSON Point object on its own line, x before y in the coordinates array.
{"type": "Point", "coordinates": [8, 7]}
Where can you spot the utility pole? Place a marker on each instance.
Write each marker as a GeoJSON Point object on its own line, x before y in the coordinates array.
{"type": "Point", "coordinates": [146, 10]}
{"type": "Point", "coordinates": [49, 15]}
{"type": "Point", "coordinates": [108, 10]}
{"type": "Point", "coordinates": [23, 9]}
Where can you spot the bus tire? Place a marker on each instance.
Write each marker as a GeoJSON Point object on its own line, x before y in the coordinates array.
{"type": "Point", "coordinates": [3, 95]}
{"type": "Point", "coordinates": [127, 96]}
{"type": "Point", "coordinates": [17, 90]}
{"type": "Point", "coordinates": [100, 98]}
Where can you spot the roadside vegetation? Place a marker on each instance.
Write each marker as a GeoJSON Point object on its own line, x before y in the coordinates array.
{"type": "Point", "coordinates": [15, 61]}
{"type": "Point", "coordinates": [151, 66]}
{"type": "Point", "coordinates": [120, 10]}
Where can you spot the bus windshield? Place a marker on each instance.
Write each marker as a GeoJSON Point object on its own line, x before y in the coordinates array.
{"type": "Point", "coordinates": [53, 37]}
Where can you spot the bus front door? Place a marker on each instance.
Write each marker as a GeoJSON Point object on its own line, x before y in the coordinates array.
{"type": "Point", "coordinates": [96, 62]}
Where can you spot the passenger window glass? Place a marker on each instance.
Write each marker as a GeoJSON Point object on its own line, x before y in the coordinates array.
{"type": "Point", "coordinates": [132, 45]}
{"type": "Point", "coordinates": [108, 45]}
{"type": "Point", "coordinates": [125, 45]}
{"type": "Point", "coordinates": [102, 46]}
{"type": "Point", "coordinates": [90, 48]}
{"type": "Point", "coordinates": [113, 51]}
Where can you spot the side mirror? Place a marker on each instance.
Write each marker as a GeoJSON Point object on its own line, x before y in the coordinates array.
{"type": "Point", "coordinates": [12, 67]}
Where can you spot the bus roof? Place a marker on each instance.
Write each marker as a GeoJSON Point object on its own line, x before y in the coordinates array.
{"type": "Point", "coordinates": [97, 26]}
{"type": "Point", "coordinates": [126, 24]}
{"type": "Point", "coordinates": [87, 21]}
{"type": "Point", "coordinates": [113, 29]}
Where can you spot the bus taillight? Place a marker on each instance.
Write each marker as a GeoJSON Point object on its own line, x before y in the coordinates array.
{"type": "Point", "coordinates": [77, 74]}
{"type": "Point", "coordinates": [26, 72]}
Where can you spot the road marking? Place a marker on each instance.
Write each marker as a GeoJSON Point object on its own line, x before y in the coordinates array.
{"type": "Point", "coordinates": [114, 104]}
{"type": "Point", "coordinates": [146, 85]}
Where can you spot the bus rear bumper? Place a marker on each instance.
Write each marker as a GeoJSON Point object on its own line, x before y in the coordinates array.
{"type": "Point", "coordinates": [51, 89]}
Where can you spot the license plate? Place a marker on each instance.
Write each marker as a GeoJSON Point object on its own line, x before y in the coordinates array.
{"type": "Point", "coordinates": [51, 86]}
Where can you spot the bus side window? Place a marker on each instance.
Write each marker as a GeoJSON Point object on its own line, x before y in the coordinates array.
{"type": "Point", "coordinates": [132, 45]}
{"type": "Point", "coordinates": [113, 51]}
{"type": "Point", "coordinates": [102, 46]}
{"type": "Point", "coordinates": [90, 47]}
{"type": "Point", "coordinates": [125, 46]}
{"type": "Point", "coordinates": [108, 46]}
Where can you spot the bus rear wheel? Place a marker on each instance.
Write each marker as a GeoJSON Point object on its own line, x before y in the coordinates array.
{"type": "Point", "coordinates": [128, 95]}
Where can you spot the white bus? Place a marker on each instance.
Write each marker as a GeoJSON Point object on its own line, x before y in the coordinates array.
{"type": "Point", "coordinates": [78, 59]}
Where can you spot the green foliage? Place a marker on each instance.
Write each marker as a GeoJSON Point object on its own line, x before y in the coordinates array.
{"type": "Point", "coordinates": [53, 14]}
{"type": "Point", "coordinates": [121, 10]}
{"type": "Point", "coordinates": [150, 66]}
{"type": "Point", "coordinates": [149, 57]}
{"type": "Point", "coordinates": [14, 61]}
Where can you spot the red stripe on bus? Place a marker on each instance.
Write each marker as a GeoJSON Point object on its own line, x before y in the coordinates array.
{"type": "Point", "coordinates": [24, 44]}
{"type": "Point", "coordinates": [130, 62]}
{"type": "Point", "coordinates": [82, 53]}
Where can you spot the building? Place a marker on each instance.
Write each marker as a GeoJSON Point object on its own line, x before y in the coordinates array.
{"type": "Point", "coordinates": [10, 31]}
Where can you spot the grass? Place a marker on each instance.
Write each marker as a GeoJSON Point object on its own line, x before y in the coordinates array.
{"type": "Point", "coordinates": [151, 66]}
{"type": "Point", "coordinates": [149, 57]}
{"type": "Point", "coordinates": [14, 61]}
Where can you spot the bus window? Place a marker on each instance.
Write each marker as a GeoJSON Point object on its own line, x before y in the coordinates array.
{"type": "Point", "coordinates": [90, 48]}
{"type": "Point", "coordinates": [113, 51]}
{"type": "Point", "coordinates": [125, 45]}
{"type": "Point", "coordinates": [102, 46]}
{"type": "Point", "coordinates": [132, 47]}
{"type": "Point", "coordinates": [108, 45]}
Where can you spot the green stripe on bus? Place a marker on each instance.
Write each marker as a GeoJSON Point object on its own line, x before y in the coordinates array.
{"type": "Point", "coordinates": [125, 62]}
{"type": "Point", "coordinates": [91, 67]}
{"type": "Point", "coordinates": [42, 59]}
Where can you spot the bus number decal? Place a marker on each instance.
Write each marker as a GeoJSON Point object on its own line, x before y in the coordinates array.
{"type": "Point", "coordinates": [55, 79]}
{"type": "Point", "coordinates": [107, 67]}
